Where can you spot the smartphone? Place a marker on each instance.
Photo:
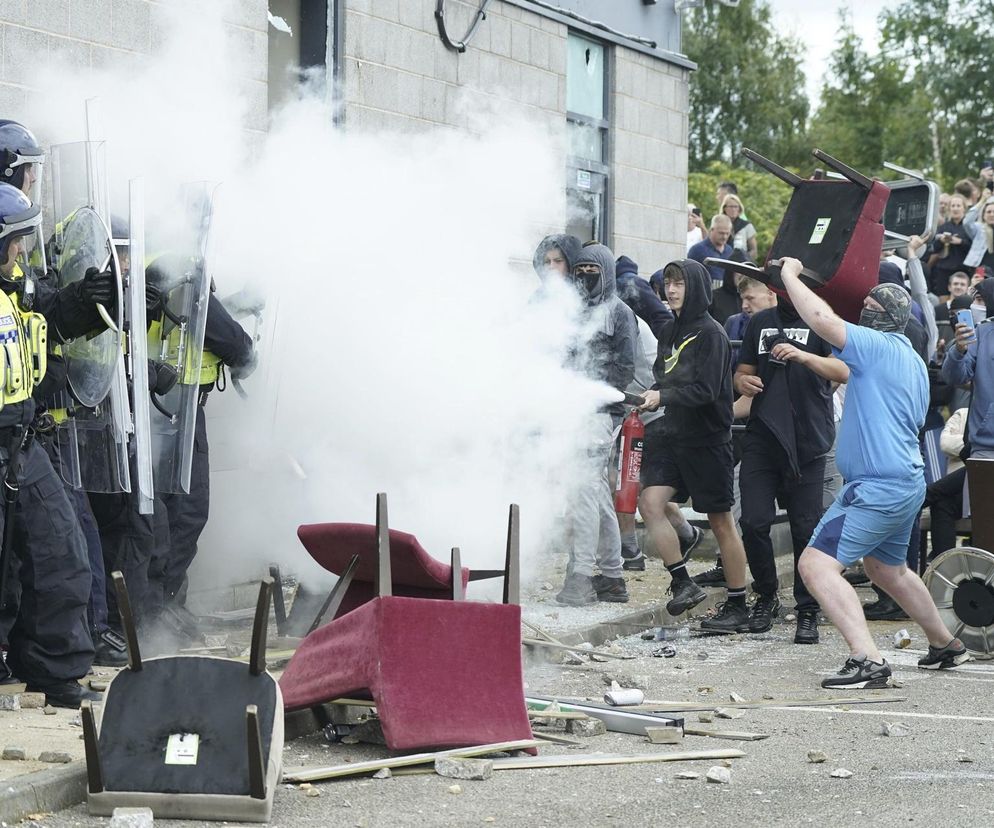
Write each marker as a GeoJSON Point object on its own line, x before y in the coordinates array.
{"type": "Point", "coordinates": [965, 317]}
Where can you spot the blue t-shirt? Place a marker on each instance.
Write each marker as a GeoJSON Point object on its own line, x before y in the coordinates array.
{"type": "Point", "coordinates": [886, 401]}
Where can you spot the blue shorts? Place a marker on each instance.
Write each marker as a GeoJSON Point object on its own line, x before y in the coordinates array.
{"type": "Point", "coordinates": [870, 518]}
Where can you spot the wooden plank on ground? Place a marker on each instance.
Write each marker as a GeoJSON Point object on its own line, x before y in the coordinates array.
{"type": "Point", "coordinates": [317, 774]}
{"type": "Point", "coordinates": [574, 760]}
{"type": "Point", "coordinates": [738, 735]}
{"type": "Point", "coordinates": [535, 642]}
{"type": "Point", "coordinates": [555, 738]}
{"type": "Point", "coordinates": [535, 628]}
{"type": "Point", "coordinates": [557, 714]}
{"type": "Point", "coordinates": [693, 707]}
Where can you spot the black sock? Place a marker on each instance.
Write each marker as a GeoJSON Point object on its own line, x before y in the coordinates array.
{"type": "Point", "coordinates": [678, 571]}
{"type": "Point", "coordinates": [737, 597]}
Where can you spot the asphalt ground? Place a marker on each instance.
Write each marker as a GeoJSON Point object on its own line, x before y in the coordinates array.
{"type": "Point", "coordinates": [940, 773]}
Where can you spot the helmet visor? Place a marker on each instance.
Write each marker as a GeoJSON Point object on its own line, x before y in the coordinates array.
{"type": "Point", "coordinates": [21, 243]}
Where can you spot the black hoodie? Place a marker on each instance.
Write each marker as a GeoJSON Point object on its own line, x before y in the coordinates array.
{"type": "Point", "coordinates": [693, 367]}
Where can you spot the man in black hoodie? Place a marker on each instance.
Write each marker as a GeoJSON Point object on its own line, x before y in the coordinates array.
{"type": "Point", "coordinates": [605, 352]}
{"type": "Point", "coordinates": [689, 452]}
{"type": "Point", "coordinates": [791, 428]}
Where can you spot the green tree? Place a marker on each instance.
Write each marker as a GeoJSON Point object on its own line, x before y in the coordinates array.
{"type": "Point", "coordinates": [869, 112]}
{"type": "Point", "coordinates": [947, 48]}
{"type": "Point", "coordinates": [748, 90]}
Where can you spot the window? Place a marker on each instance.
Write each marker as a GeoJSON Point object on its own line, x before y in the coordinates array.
{"type": "Point", "coordinates": [588, 136]}
{"type": "Point", "coordinates": [306, 51]}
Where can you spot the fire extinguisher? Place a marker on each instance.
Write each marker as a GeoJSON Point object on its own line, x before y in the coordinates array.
{"type": "Point", "coordinates": [626, 491]}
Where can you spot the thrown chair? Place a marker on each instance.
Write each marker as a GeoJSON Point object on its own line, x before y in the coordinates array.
{"type": "Point", "coordinates": [191, 737]}
{"type": "Point", "coordinates": [834, 226]}
{"type": "Point", "coordinates": [441, 671]}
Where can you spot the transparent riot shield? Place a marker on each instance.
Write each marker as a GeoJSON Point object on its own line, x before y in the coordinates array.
{"type": "Point", "coordinates": [176, 337]}
{"type": "Point", "coordinates": [137, 356]}
{"type": "Point", "coordinates": [93, 413]}
{"type": "Point", "coordinates": [83, 241]}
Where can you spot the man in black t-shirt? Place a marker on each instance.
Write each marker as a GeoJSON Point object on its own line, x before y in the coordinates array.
{"type": "Point", "coordinates": [787, 370]}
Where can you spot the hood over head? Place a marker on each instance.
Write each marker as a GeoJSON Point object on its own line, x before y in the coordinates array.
{"type": "Point", "coordinates": [596, 290]}
{"type": "Point", "coordinates": [569, 245]}
{"type": "Point", "coordinates": [890, 274]}
{"type": "Point", "coordinates": [896, 304]}
{"type": "Point", "coordinates": [697, 295]}
{"type": "Point", "coordinates": [656, 283]}
{"type": "Point", "coordinates": [625, 267]}
{"type": "Point", "coordinates": [985, 289]}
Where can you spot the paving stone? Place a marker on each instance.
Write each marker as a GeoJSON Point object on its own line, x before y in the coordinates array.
{"type": "Point", "coordinates": [816, 757]}
{"type": "Point", "coordinates": [453, 767]}
{"type": "Point", "coordinates": [720, 775]}
{"type": "Point", "coordinates": [586, 727]}
{"type": "Point", "coordinates": [841, 773]}
{"type": "Point", "coordinates": [14, 754]}
{"type": "Point", "coordinates": [132, 818]}
{"type": "Point", "coordinates": [55, 757]}
{"type": "Point", "coordinates": [11, 702]}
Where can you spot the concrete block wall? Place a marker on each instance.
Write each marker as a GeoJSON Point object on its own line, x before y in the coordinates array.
{"type": "Point", "coordinates": [649, 159]}
{"type": "Point", "coordinates": [112, 33]}
{"type": "Point", "coordinates": [398, 75]}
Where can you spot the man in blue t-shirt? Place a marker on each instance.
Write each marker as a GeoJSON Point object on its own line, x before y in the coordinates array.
{"type": "Point", "coordinates": [878, 455]}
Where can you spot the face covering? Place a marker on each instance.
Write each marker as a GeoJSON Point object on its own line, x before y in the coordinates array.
{"type": "Point", "coordinates": [979, 313]}
{"type": "Point", "coordinates": [896, 306]}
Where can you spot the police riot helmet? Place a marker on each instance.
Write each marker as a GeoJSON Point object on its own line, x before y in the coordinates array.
{"type": "Point", "coordinates": [18, 217]}
{"type": "Point", "coordinates": [18, 149]}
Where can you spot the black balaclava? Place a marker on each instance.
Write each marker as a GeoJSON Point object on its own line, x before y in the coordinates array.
{"type": "Point", "coordinates": [896, 304]}
{"type": "Point", "coordinates": [985, 289]}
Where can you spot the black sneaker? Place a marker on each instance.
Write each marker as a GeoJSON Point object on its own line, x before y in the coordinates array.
{"type": "Point", "coordinates": [635, 563]}
{"type": "Point", "coordinates": [884, 608]}
{"type": "Point", "coordinates": [65, 694]}
{"type": "Point", "coordinates": [766, 608]}
{"type": "Point", "coordinates": [944, 658]}
{"type": "Point", "coordinates": [730, 618]}
{"type": "Point", "coordinates": [857, 674]}
{"type": "Point", "coordinates": [686, 595]}
{"type": "Point", "coordinates": [689, 545]}
{"type": "Point", "coordinates": [856, 577]}
{"type": "Point", "coordinates": [714, 577]}
{"type": "Point", "coordinates": [577, 591]}
{"type": "Point", "coordinates": [807, 627]}
{"type": "Point", "coordinates": [612, 590]}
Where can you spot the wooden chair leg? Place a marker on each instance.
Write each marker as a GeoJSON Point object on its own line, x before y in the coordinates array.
{"type": "Point", "coordinates": [279, 607]}
{"type": "Point", "coordinates": [330, 607]}
{"type": "Point", "coordinates": [384, 582]}
{"type": "Point", "coordinates": [256, 763]}
{"type": "Point", "coordinates": [127, 621]}
{"type": "Point", "coordinates": [91, 745]}
{"type": "Point", "coordinates": [260, 628]}
{"type": "Point", "coordinates": [512, 560]}
{"type": "Point", "coordinates": [458, 593]}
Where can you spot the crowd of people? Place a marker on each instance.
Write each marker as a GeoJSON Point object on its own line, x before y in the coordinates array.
{"type": "Point", "coordinates": [758, 399]}
{"type": "Point", "coordinates": [60, 542]}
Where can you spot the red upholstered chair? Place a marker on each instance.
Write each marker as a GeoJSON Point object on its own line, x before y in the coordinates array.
{"type": "Point", "coordinates": [834, 226]}
{"type": "Point", "coordinates": [443, 671]}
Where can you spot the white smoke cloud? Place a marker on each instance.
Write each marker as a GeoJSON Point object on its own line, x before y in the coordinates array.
{"type": "Point", "coordinates": [401, 350]}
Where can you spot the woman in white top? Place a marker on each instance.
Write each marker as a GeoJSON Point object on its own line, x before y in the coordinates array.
{"type": "Point", "coordinates": [743, 232]}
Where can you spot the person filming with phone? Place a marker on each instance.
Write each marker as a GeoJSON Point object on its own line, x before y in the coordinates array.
{"type": "Point", "coordinates": [971, 359]}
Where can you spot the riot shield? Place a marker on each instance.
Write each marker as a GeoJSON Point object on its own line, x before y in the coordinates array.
{"type": "Point", "coordinates": [83, 241]}
{"type": "Point", "coordinates": [176, 337]}
{"type": "Point", "coordinates": [95, 418]}
{"type": "Point", "coordinates": [137, 326]}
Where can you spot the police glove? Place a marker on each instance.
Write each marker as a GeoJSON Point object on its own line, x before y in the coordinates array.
{"type": "Point", "coordinates": [161, 377]}
{"type": "Point", "coordinates": [240, 372]}
{"type": "Point", "coordinates": [153, 297]}
{"type": "Point", "coordinates": [99, 287]}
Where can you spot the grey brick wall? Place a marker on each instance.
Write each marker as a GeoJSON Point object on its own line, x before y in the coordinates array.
{"type": "Point", "coordinates": [650, 159]}
{"type": "Point", "coordinates": [398, 75]}
{"type": "Point", "coordinates": [110, 33]}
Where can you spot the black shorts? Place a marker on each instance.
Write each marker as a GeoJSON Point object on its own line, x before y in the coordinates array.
{"type": "Point", "coordinates": [702, 473]}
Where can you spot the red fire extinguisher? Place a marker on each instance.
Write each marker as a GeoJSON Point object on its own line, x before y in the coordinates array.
{"type": "Point", "coordinates": [626, 491]}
